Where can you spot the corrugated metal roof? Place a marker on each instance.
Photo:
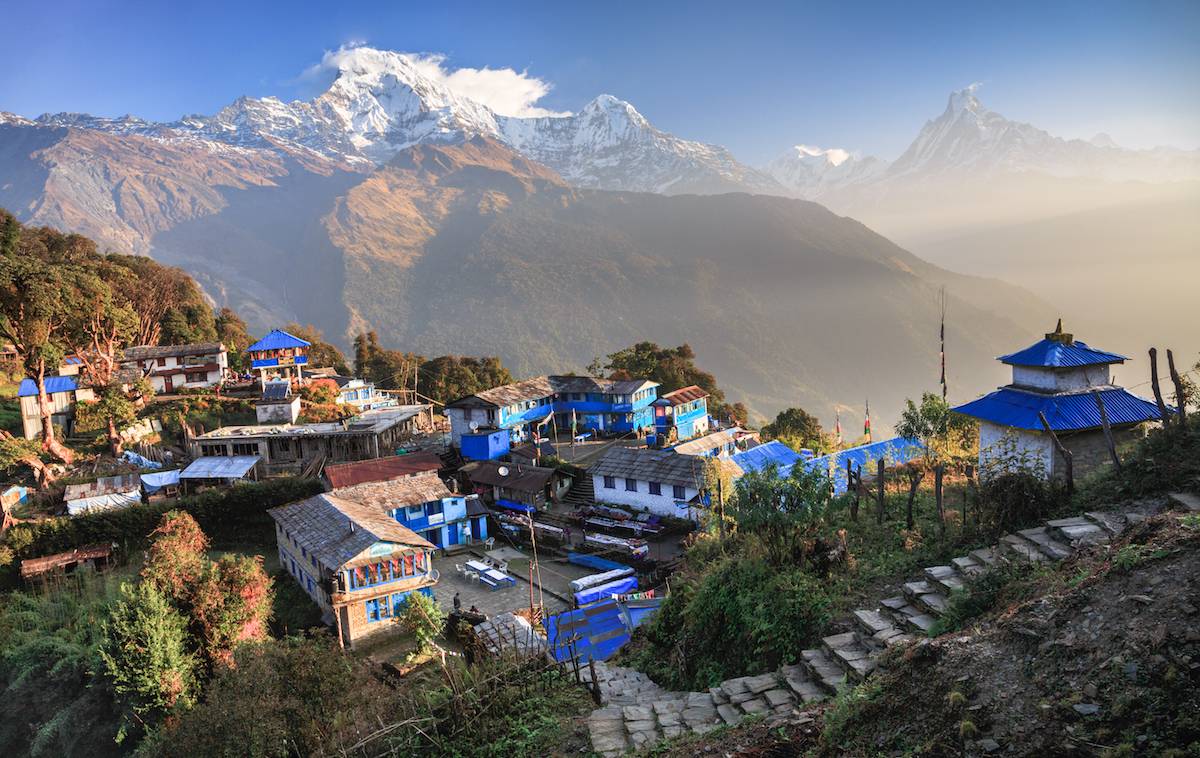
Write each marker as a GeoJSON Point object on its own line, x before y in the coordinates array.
{"type": "Point", "coordinates": [105, 485]}
{"type": "Point", "coordinates": [894, 451]}
{"type": "Point", "coordinates": [381, 469]}
{"type": "Point", "coordinates": [322, 523]}
{"type": "Point", "coordinates": [277, 339]}
{"type": "Point", "coordinates": [54, 384]}
{"type": "Point", "coordinates": [683, 395]}
{"type": "Point", "coordinates": [1016, 408]}
{"type": "Point", "coordinates": [1054, 354]}
{"type": "Point", "coordinates": [708, 442]}
{"type": "Point", "coordinates": [769, 453]}
{"type": "Point", "coordinates": [219, 467]}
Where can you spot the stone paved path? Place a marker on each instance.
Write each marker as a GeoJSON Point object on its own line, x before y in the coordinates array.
{"type": "Point", "coordinates": [637, 713]}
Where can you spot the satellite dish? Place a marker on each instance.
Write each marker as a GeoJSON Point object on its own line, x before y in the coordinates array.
{"type": "Point", "coordinates": [474, 426]}
{"type": "Point", "coordinates": [502, 471]}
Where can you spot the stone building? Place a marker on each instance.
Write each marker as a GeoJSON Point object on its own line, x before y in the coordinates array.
{"type": "Point", "coordinates": [1066, 381]}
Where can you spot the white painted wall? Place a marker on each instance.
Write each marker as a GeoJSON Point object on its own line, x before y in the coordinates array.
{"type": "Point", "coordinates": [642, 500]}
{"type": "Point", "coordinates": [1061, 380]}
{"type": "Point", "coordinates": [460, 422]}
{"type": "Point", "coordinates": [1000, 443]}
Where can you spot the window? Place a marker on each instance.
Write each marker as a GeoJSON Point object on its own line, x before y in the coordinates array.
{"type": "Point", "coordinates": [655, 488]}
{"type": "Point", "coordinates": [313, 560]}
{"type": "Point", "coordinates": [195, 376]}
{"type": "Point", "coordinates": [162, 362]}
{"type": "Point", "coordinates": [245, 448]}
{"type": "Point", "coordinates": [414, 512]}
{"type": "Point", "coordinates": [610, 482]}
{"type": "Point", "coordinates": [678, 492]}
{"type": "Point", "coordinates": [631, 485]}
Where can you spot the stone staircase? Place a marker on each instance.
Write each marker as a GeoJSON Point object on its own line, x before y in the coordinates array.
{"type": "Point", "coordinates": [582, 492]}
{"type": "Point", "coordinates": [637, 712]}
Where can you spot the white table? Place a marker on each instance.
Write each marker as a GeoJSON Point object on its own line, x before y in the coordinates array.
{"type": "Point", "coordinates": [495, 575]}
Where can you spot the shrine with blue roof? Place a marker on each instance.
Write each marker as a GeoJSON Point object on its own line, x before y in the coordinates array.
{"type": "Point", "coordinates": [279, 355]}
{"type": "Point", "coordinates": [1066, 382]}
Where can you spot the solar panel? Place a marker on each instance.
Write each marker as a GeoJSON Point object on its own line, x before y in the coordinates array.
{"type": "Point", "coordinates": [276, 390]}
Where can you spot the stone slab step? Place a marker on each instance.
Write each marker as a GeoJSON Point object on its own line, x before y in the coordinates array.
{"type": "Point", "coordinates": [855, 659]}
{"type": "Point", "coordinates": [730, 714]}
{"type": "Point", "coordinates": [968, 566]}
{"type": "Point", "coordinates": [894, 603]}
{"type": "Point", "coordinates": [986, 556]}
{"type": "Point", "coordinates": [1113, 523]}
{"type": "Point", "coordinates": [1077, 530]}
{"type": "Point", "coordinates": [1186, 500]}
{"type": "Point", "coordinates": [827, 673]}
{"type": "Point", "coordinates": [921, 622]}
{"type": "Point", "coordinates": [1046, 543]}
{"type": "Point", "coordinates": [952, 584]}
{"type": "Point", "coordinates": [934, 602]}
{"type": "Point", "coordinates": [873, 622]}
{"type": "Point", "coordinates": [913, 590]}
{"type": "Point", "coordinates": [1022, 549]}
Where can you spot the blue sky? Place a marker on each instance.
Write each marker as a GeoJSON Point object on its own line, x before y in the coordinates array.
{"type": "Point", "coordinates": [753, 77]}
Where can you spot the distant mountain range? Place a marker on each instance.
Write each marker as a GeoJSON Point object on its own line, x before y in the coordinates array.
{"type": "Point", "coordinates": [392, 202]}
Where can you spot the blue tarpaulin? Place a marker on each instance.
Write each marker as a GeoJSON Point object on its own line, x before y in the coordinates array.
{"type": "Point", "coordinates": [604, 591]}
{"type": "Point", "coordinates": [894, 451]}
{"type": "Point", "coordinates": [596, 631]}
{"type": "Point", "coordinates": [152, 483]}
{"type": "Point", "coordinates": [513, 505]}
{"type": "Point", "coordinates": [594, 562]}
{"type": "Point", "coordinates": [139, 460]}
{"type": "Point", "coordinates": [769, 453]}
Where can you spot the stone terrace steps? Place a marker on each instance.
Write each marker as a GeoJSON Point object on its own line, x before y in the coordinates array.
{"type": "Point", "coordinates": [638, 713]}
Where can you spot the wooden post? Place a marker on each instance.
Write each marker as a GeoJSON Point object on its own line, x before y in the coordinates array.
{"type": "Point", "coordinates": [879, 491]}
{"type": "Point", "coordinates": [1181, 397]}
{"type": "Point", "coordinates": [1067, 457]}
{"type": "Point", "coordinates": [595, 684]}
{"type": "Point", "coordinates": [720, 502]}
{"type": "Point", "coordinates": [1162, 407]}
{"type": "Point", "coordinates": [939, 473]}
{"type": "Point", "coordinates": [1108, 438]}
{"type": "Point", "coordinates": [915, 475]}
{"type": "Point", "coordinates": [854, 479]}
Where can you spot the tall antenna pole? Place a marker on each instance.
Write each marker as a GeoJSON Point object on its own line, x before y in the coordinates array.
{"type": "Point", "coordinates": [942, 338]}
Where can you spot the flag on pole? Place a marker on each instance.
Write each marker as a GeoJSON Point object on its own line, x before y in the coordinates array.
{"type": "Point", "coordinates": [867, 423]}
{"type": "Point", "coordinates": [837, 426]}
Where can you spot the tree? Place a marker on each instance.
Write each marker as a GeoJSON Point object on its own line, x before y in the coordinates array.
{"type": "Point", "coordinates": [450, 377]}
{"type": "Point", "coordinates": [230, 605]}
{"type": "Point", "coordinates": [422, 618]}
{"type": "Point", "coordinates": [320, 392]}
{"type": "Point", "coordinates": [162, 293]}
{"type": "Point", "coordinates": [672, 368]}
{"type": "Point", "coordinates": [784, 513]}
{"type": "Point", "coordinates": [101, 322]}
{"type": "Point", "coordinates": [112, 410]}
{"type": "Point", "coordinates": [949, 437]}
{"type": "Point", "coordinates": [232, 332]}
{"type": "Point", "coordinates": [796, 428]}
{"type": "Point", "coordinates": [145, 655]}
{"type": "Point", "coordinates": [320, 353]}
{"type": "Point", "coordinates": [177, 557]}
{"type": "Point", "coordinates": [14, 451]}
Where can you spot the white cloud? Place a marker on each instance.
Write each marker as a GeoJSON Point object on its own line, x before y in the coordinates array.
{"type": "Point", "coordinates": [504, 90]}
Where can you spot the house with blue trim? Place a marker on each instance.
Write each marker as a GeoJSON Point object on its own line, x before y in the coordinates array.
{"type": "Point", "coordinates": [422, 503]}
{"type": "Point", "coordinates": [529, 409]}
{"type": "Point", "coordinates": [357, 564]}
{"type": "Point", "coordinates": [682, 414]}
{"type": "Point", "coordinates": [63, 393]}
{"type": "Point", "coordinates": [1067, 382]}
{"type": "Point", "coordinates": [279, 355]}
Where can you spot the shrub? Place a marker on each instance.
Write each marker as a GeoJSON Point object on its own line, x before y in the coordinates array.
{"type": "Point", "coordinates": [231, 604]}
{"type": "Point", "coordinates": [422, 618]}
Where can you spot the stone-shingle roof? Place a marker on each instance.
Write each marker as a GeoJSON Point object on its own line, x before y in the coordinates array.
{"type": "Point", "coordinates": [397, 493]}
{"type": "Point", "coordinates": [647, 465]}
{"type": "Point", "coordinates": [545, 386]}
{"type": "Point", "coordinates": [683, 395]}
{"type": "Point", "coordinates": [519, 478]}
{"type": "Point", "coordinates": [335, 529]}
{"type": "Point", "coordinates": [146, 352]}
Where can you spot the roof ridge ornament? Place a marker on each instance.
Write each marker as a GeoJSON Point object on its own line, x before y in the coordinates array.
{"type": "Point", "coordinates": [1059, 336]}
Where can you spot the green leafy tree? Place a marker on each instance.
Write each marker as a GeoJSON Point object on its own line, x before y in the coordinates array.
{"type": "Point", "coordinates": [320, 392]}
{"type": "Point", "coordinates": [111, 411]}
{"type": "Point", "coordinates": [232, 332]}
{"type": "Point", "coordinates": [422, 618]}
{"type": "Point", "coordinates": [450, 377]}
{"type": "Point", "coordinates": [146, 656]}
{"type": "Point", "coordinates": [796, 428]}
{"type": "Point", "coordinates": [949, 437]}
{"type": "Point", "coordinates": [783, 513]}
{"type": "Point", "coordinates": [321, 353]}
{"type": "Point", "coordinates": [16, 451]}
{"type": "Point", "coordinates": [672, 368]}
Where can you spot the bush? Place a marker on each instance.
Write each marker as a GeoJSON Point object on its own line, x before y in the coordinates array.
{"type": "Point", "coordinates": [236, 514]}
{"type": "Point", "coordinates": [1016, 499]}
{"type": "Point", "coordinates": [744, 617]}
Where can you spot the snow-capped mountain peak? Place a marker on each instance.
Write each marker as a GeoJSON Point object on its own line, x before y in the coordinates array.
{"type": "Point", "coordinates": [812, 172]}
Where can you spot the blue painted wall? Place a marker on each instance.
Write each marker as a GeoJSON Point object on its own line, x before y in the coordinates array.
{"type": "Point", "coordinates": [486, 446]}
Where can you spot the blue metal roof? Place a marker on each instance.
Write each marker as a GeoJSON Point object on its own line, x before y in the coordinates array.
{"type": "Point", "coordinates": [766, 454]}
{"type": "Point", "coordinates": [894, 451]}
{"type": "Point", "coordinates": [1053, 354]}
{"type": "Point", "coordinates": [54, 384]}
{"type": "Point", "coordinates": [277, 340]}
{"type": "Point", "coordinates": [1016, 408]}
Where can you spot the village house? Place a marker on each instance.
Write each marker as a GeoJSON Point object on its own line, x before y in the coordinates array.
{"type": "Point", "coordinates": [360, 395]}
{"type": "Point", "coordinates": [279, 355]}
{"type": "Point", "coordinates": [528, 409]}
{"type": "Point", "coordinates": [218, 471]}
{"type": "Point", "coordinates": [104, 494]}
{"type": "Point", "coordinates": [277, 404]}
{"type": "Point", "coordinates": [662, 482]}
{"type": "Point", "coordinates": [424, 504]}
{"type": "Point", "coordinates": [517, 486]}
{"type": "Point", "coordinates": [719, 444]}
{"type": "Point", "coordinates": [357, 563]}
{"type": "Point", "coordinates": [287, 448]}
{"type": "Point", "coordinates": [682, 414]}
{"type": "Point", "coordinates": [170, 368]}
{"type": "Point", "coordinates": [63, 391]}
{"type": "Point", "coordinates": [1066, 381]}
